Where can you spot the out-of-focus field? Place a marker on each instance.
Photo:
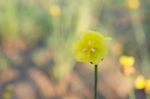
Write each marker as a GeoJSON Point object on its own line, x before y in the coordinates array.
{"type": "Point", "coordinates": [36, 37]}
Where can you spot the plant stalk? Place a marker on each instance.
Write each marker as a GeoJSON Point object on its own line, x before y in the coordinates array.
{"type": "Point", "coordinates": [95, 80]}
{"type": "Point", "coordinates": [132, 94]}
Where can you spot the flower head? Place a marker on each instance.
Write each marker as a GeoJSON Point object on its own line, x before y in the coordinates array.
{"type": "Point", "coordinates": [140, 82]}
{"type": "Point", "coordinates": [8, 92]}
{"type": "Point", "coordinates": [147, 87]}
{"type": "Point", "coordinates": [126, 61]}
{"type": "Point", "coordinates": [133, 4]}
{"type": "Point", "coordinates": [91, 47]}
{"type": "Point", "coordinates": [55, 10]}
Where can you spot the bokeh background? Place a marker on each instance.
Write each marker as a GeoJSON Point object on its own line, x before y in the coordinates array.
{"type": "Point", "coordinates": [36, 37]}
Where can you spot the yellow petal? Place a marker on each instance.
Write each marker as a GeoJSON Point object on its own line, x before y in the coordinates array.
{"type": "Point", "coordinates": [126, 61]}
{"type": "Point", "coordinates": [147, 87]}
{"type": "Point", "coordinates": [140, 82]}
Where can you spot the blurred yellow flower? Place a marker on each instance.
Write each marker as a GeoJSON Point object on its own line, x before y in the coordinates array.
{"type": "Point", "coordinates": [133, 4]}
{"type": "Point", "coordinates": [55, 10]}
{"type": "Point", "coordinates": [126, 61]}
{"type": "Point", "coordinates": [147, 87]}
{"type": "Point", "coordinates": [140, 82]}
{"type": "Point", "coordinates": [91, 47]}
{"type": "Point", "coordinates": [6, 95]}
{"type": "Point", "coordinates": [128, 71]}
{"type": "Point", "coordinates": [8, 92]}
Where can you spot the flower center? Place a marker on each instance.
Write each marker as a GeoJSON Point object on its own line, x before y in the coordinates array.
{"type": "Point", "coordinates": [92, 49]}
{"type": "Point", "coordinates": [89, 47]}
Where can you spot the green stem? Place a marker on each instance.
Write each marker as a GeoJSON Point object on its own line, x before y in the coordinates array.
{"type": "Point", "coordinates": [95, 80]}
{"type": "Point", "coordinates": [148, 96]}
{"type": "Point", "coordinates": [132, 94]}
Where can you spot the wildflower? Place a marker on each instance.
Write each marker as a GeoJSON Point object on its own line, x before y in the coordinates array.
{"type": "Point", "coordinates": [128, 71]}
{"type": "Point", "coordinates": [126, 61]}
{"type": "Point", "coordinates": [55, 10]}
{"type": "Point", "coordinates": [91, 47]}
{"type": "Point", "coordinates": [140, 82]}
{"type": "Point", "coordinates": [133, 4]}
{"type": "Point", "coordinates": [147, 86]}
{"type": "Point", "coordinates": [8, 92]}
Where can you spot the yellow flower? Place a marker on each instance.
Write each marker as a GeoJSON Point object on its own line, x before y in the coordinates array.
{"type": "Point", "coordinates": [55, 10]}
{"type": "Point", "coordinates": [6, 95]}
{"type": "Point", "coordinates": [147, 87]}
{"type": "Point", "coordinates": [128, 71]}
{"type": "Point", "coordinates": [8, 92]}
{"type": "Point", "coordinates": [140, 82]}
{"type": "Point", "coordinates": [91, 47]}
{"type": "Point", "coordinates": [133, 4]}
{"type": "Point", "coordinates": [126, 61]}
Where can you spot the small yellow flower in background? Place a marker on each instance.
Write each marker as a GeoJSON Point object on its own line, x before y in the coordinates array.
{"type": "Point", "coordinates": [8, 92]}
{"type": "Point", "coordinates": [140, 82]}
{"type": "Point", "coordinates": [91, 47]}
{"type": "Point", "coordinates": [128, 71]}
{"type": "Point", "coordinates": [147, 87]}
{"type": "Point", "coordinates": [133, 4]}
{"type": "Point", "coordinates": [126, 61]}
{"type": "Point", "coordinates": [55, 10]}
